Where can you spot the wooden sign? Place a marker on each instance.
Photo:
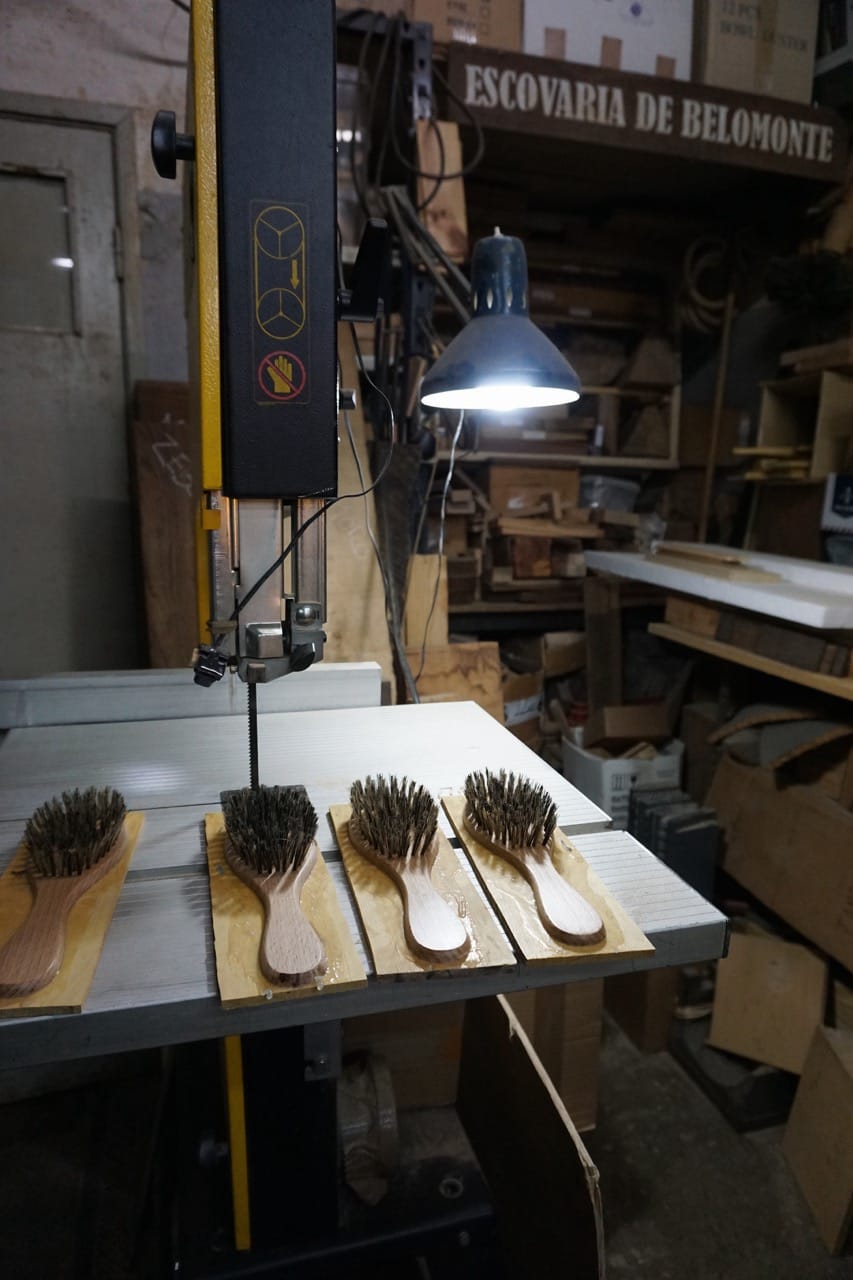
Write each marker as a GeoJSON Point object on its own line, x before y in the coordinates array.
{"type": "Point", "coordinates": [566, 100]}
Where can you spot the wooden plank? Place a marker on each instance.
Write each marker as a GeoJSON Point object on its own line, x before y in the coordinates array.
{"type": "Point", "coordinates": [603, 626]}
{"type": "Point", "coordinates": [728, 572]}
{"type": "Point", "coordinates": [469, 672]}
{"type": "Point", "coordinates": [238, 919]}
{"type": "Point", "coordinates": [537, 528]}
{"type": "Point", "coordinates": [355, 628]}
{"type": "Point", "coordinates": [512, 898]}
{"type": "Point", "coordinates": [166, 504]}
{"type": "Point", "coordinates": [381, 911]}
{"type": "Point", "coordinates": [87, 928]}
{"type": "Point", "coordinates": [818, 1141]}
{"type": "Point", "coordinates": [838, 686]}
{"type": "Point", "coordinates": [439, 150]}
{"type": "Point", "coordinates": [419, 628]}
{"type": "Point", "coordinates": [830, 355]}
{"type": "Point", "coordinates": [691, 615]}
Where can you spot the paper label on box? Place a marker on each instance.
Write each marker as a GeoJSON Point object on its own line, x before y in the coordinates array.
{"type": "Point", "coordinates": [838, 504]}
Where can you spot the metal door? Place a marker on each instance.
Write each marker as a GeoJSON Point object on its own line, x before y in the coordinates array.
{"type": "Point", "coordinates": [67, 577]}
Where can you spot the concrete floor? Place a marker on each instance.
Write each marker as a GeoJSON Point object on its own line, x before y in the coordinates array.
{"type": "Point", "coordinates": [685, 1196]}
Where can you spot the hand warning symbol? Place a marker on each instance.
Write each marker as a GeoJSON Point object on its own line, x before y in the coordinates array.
{"type": "Point", "coordinates": [280, 371]}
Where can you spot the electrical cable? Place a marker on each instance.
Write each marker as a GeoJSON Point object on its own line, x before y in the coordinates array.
{"type": "Point", "coordinates": [440, 553]}
{"type": "Point", "coordinates": [179, 4]}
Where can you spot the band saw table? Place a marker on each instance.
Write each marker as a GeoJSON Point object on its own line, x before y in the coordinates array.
{"type": "Point", "coordinates": [171, 748]}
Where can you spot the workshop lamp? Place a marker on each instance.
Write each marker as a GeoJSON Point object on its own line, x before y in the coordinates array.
{"type": "Point", "coordinates": [500, 361]}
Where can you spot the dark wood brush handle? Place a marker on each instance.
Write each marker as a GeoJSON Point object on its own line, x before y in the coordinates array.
{"type": "Point", "coordinates": [33, 956]}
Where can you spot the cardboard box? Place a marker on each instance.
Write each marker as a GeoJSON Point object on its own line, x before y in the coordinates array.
{"type": "Point", "coordinates": [608, 783]}
{"type": "Point", "coordinates": [493, 23]}
{"type": "Point", "coordinates": [554, 653]}
{"type": "Point", "coordinates": [564, 1026]}
{"type": "Point", "coordinates": [818, 1141]}
{"type": "Point", "coordinates": [522, 1137]}
{"type": "Point", "coordinates": [766, 46]}
{"type": "Point", "coordinates": [622, 726]}
{"type": "Point", "coordinates": [769, 1000]}
{"type": "Point", "coordinates": [512, 488]}
{"type": "Point", "coordinates": [655, 37]}
{"type": "Point", "coordinates": [523, 703]}
{"type": "Point", "coordinates": [792, 849]}
{"type": "Point", "coordinates": [643, 1004]}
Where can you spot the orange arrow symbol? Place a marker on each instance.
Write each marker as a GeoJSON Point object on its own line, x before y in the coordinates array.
{"type": "Point", "coordinates": [294, 274]}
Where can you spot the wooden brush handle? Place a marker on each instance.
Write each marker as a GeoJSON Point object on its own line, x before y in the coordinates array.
{"type": "Point", "coordinates": [32, 957]}
{"type": "Point", "coordinates": [291, 950]}
{"type": "Point", "coordinates": [563, 911]}
{"type": "Point", "coordinates": [433, 929]}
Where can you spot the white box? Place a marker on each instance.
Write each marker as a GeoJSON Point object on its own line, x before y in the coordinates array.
{"type": "Point", "coordinates": [624, 35]}
{"type": "Point", "coordinates": [609, 783]}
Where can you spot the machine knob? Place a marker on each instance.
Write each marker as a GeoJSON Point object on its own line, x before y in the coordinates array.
{"type": "Point", "coordinates": [168, 146]}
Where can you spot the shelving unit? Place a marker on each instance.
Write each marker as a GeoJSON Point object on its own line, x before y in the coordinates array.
{"type": "Point", "coordinates": [833, 685]}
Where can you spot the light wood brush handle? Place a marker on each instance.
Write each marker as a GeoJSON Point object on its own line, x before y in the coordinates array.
{"type": "Point", "coordinates": [432, 928]}
{"type": "Point", "coordinates": [33, 956]}
{"type": "Point", "coordinates": [291, 951]}
{"type": "Point", "coordinates": [431, 925]}
{"type": "Point", "coordinates": [565, 913]}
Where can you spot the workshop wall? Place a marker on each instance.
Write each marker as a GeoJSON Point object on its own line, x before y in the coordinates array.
{"type": "Point", "coordinates": [126, 54]}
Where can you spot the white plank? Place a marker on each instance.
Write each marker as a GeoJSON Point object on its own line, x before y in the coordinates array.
{"type": "Point", "coordinates": [812, 595]}
{"type": "Point", "coordinates": [169, 763]}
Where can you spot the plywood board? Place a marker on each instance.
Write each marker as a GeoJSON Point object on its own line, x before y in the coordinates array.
{"type": "Point", "coordinates": [381, 911]}
{"type": "Point", "coordinates": [166, 512]}
{"type": "Point", "coordinates": [818, 1141]}
{"type": "Point", "coordinates": [769, 1001]}
{"type": "Point", "coordinates": [425, 623]}
{"type": "Point", "coordinates": [512, 898]}
{"type": "Point", "coordinates": [356, 629]}
{"type": "Point", "coordinates": [88, 922]}
{"type": "Point", "coordinates": [238, 919]}
{"type": "Point", "coordinates": [468, 672]}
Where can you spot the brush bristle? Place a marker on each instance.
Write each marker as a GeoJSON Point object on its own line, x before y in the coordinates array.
{"type": "Point", "coordinates": [511, 810]}
{"type": "Point", "coordinates": [69, 834]}
{"type": "Point", "coordinates": [271, 829]}
{"type": "Point", "coordinates": [396, 817]}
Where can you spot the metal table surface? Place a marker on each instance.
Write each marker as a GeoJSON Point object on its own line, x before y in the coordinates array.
{"type": "Point", "coordinates": [156, 982]}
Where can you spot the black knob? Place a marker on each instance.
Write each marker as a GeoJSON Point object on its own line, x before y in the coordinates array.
{"type": "Point", "coordinates": [168, 146]}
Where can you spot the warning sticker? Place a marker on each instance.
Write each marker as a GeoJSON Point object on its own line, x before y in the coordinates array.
{"type": "Point", "coordinates": [281, 375]}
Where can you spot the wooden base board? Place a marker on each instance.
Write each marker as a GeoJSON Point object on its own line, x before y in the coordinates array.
{"type": "Point", "coordinates": [512, 898]}
{"type": "Point", "coordinates": [381, 910]}
{"type": "Point", "coordinates": [238, 919]}
{"type": "Point", "coordinates": [87, 927]}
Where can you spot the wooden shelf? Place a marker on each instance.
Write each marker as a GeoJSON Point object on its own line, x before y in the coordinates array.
{"type": "Point", "coordinates": [836, 686]}
{"type": "Point", "coordinates": [569, 459]}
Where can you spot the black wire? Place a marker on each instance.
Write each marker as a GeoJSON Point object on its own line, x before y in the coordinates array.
{"type": "Point", "coordinates": [442, 161]}
{"type": "Point", "coordinates": [321, 511]}
{"type": "Point", "coordinates": [180, 5]}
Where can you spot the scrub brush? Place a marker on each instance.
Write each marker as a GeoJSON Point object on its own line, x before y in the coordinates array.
{"type": "Point", "coordinates": [516, 819]}
{"type": "Point", "coordinates": [271, 847]}
{"type": "Point", "coordinates": [394, 824]}
{"type": "Point", "coordinates": [71, 843]}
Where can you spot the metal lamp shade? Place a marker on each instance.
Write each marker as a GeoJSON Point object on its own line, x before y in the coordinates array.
{"type": "Point", "coordinates": [500, 361]}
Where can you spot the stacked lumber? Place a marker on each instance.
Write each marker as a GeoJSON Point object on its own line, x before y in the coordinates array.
{"type": "Point", "coordinates": [776, 461]}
